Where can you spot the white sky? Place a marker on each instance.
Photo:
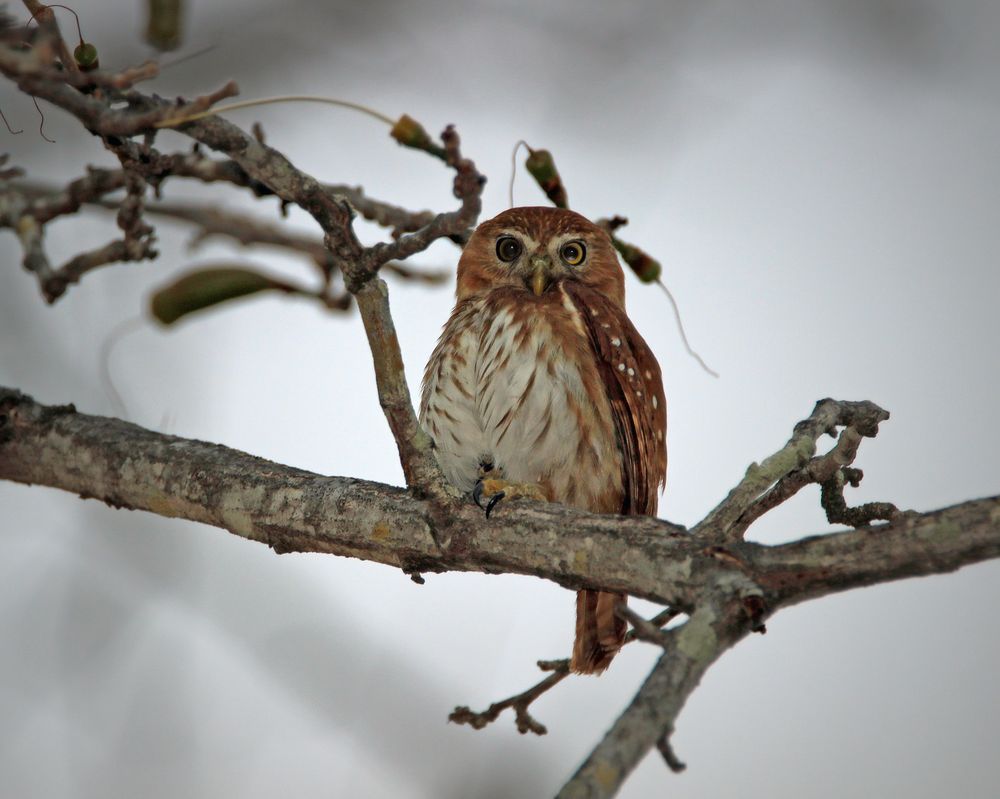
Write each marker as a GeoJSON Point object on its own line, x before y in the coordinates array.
{"type": "Point", "coordinates": [820, 180]}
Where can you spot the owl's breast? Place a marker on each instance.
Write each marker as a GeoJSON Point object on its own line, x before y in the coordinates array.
{"type": "Point", "coordinates": [448, 409]}
{"type": "Point", "coordinates": [517, 385]}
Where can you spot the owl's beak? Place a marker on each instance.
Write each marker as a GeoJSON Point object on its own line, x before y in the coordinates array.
{"type": "Point", "coordinates": [540, 275]}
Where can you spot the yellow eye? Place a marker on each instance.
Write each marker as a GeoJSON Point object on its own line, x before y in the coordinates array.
{"type": "Point", "coordinates": [573, 252]}
{"type": "Point", "coordinates": [508, 248]}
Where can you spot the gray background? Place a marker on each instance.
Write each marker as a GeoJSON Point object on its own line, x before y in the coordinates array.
{"type": "Point", "coordinates": [820, 180]}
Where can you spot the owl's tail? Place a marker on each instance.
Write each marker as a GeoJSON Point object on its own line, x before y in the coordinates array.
{"type": "Point", "coordinates": [600, 633]}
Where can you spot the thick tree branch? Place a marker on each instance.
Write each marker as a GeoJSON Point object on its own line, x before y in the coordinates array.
{"type": "Point", "coordinates": [293, 510]}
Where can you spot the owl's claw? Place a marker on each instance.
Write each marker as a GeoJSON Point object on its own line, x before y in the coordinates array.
{"type": "Point", "coordinates": [493, 503]}
{"type": "Point", "coordinates": [497, 490]}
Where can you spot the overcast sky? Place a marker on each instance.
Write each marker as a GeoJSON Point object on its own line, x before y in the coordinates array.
{"type": "Point", "coordinates": [820, 180]}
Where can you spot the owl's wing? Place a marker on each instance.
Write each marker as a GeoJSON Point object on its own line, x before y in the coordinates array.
{"type": "Point", "coordinates": [631, 378]}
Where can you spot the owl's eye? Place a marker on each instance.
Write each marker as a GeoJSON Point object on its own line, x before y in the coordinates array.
{"type": "Point", "coordinates": [508, 248]}
{"type": "Point", "coordinates": [573, 252]}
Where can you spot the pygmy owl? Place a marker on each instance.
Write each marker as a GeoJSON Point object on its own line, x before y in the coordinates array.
{"type": "Point", "coordinates": [540, 378]}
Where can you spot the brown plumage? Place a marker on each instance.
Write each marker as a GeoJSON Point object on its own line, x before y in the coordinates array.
{"type": "Point", "coordinates": [540, 376]}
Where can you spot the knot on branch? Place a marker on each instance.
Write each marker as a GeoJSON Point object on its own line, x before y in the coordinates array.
{"type": "Point", "coordinates": [829, 414]}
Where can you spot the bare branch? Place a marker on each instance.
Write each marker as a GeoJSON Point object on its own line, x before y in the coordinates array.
{"type": "Point", "coordinates": [397, 219]}
{"type": "Point", "coordinates": [468, 188]}
{"type": "Point", "coordinates": [665, 748]}
{"type": "Point", "coordinates": [519, 702]}
{"type": "Point", "coordinates": [125, 79]}
{"type": "Point", "coordinates": [136, 245]}
{"type": "Point", "coordinates": [293, 510]}
{"type": "Point", "coordinates": [747, 501]}
{"type": "Point", "coordinates": [643, 629]}
{"type": "Point", "coordinates": [250, 231]}
{"type": "Point", "coordinates": [48, 204]}
{"type": "Point", "coordinates": [650, 630]}
{"type": "Point", "coordinates": [649, 718]}
{"type": "Point", "coordinates": [333, 213]}
{"type": "Point", "coordinates": [415, 446]}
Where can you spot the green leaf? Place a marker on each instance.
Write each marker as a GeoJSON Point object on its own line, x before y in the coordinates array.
{"type": "Point", "coordinates": [205, 288]}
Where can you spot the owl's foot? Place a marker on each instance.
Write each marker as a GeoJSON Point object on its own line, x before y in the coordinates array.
{"type": "Point", "coordinates": [495, 489]}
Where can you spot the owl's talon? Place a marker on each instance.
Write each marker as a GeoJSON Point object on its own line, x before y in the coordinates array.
{"type": "Point", "coordinates": [493, 503]}
{"type": "Point", "coordinates": [494, 489]}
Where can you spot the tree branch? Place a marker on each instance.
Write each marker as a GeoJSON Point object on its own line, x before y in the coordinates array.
{"type": "Point", "coordinates": [793, 466]}
{"type": "Point", "coordinates": [519, 702]}
{"type": "Point", "coordinates": [642, 629]}
{"type": "Point", "coordinates": [135, 245]}
{"type": "Point", "coordinates": [332, 212]}
{"type": "Point", "coordinates": [292, 510]}
{"type": "Point", "coordinates": [649, 718]}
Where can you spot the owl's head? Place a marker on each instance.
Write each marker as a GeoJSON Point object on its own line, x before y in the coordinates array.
{"type": "Point", "coordinates": [537, 248]}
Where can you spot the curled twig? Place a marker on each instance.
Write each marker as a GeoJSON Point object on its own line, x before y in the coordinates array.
{"type": "Point", "coordinates": [837, 509]}
{"type": "Point", "coordinates": [829, 471]}
{"type": "Point", "coordinates": [782, 474]}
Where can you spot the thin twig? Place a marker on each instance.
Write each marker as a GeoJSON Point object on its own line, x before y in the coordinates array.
{"type": "Point", "coordinates": [43, 15]}
{"type": "Point", "coordinates": [135, 245]}
{"type": "Point", "coordinates": [519, 702]}
{"type": "Point", "coordinates": [642, 629]}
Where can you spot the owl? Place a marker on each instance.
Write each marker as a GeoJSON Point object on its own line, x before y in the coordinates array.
{"type": "Point", "coordinates": [539, 379]}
